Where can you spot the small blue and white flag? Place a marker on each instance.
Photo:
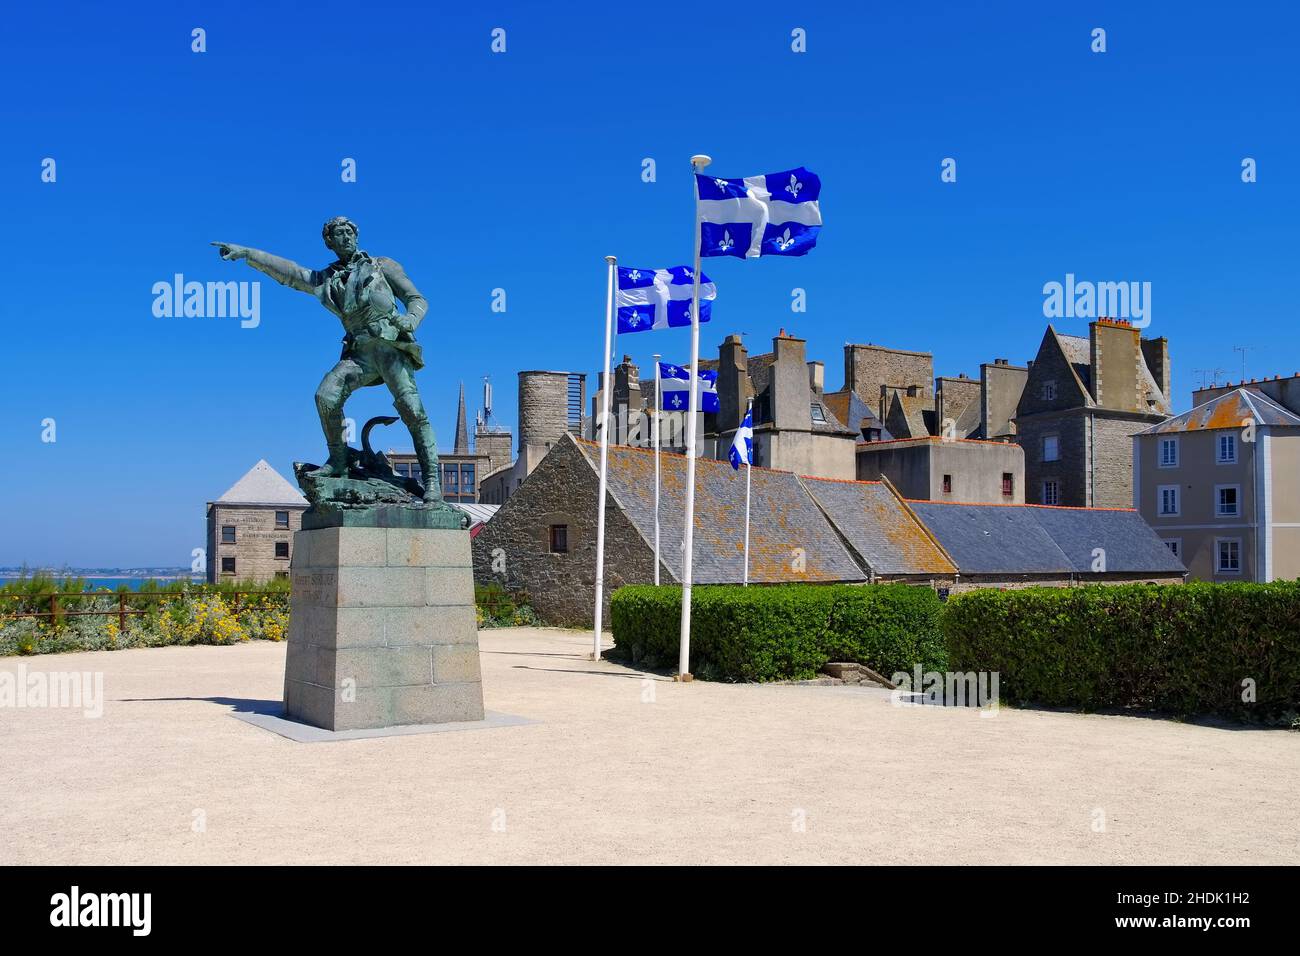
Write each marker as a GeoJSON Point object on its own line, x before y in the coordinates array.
{"type": "Point", "coordinates": [742, 446]}
{"type": "Point", "coordinates": [674, 387]}
{"type": "Point", "coordinates": [660, 298]}
{"type": "Point", "coordinates": [773, 215]}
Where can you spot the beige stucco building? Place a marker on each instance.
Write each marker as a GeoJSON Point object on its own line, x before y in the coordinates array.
{"type": "Point", "coordinates": [1220, 484]}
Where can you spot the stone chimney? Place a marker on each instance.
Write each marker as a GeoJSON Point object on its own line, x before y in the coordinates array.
{"type": "Point", "coordinates": [789, 384]}
{"type": "Point", "coordinates": [1156, 353]}
{"type": "Point", "coordinates": [734, 389]}
{"type": "Point", "coordinates": [1115, 353]}
{"type": "Point", "coordinates": [817, 377]}
{"type": "Point", "coordinates": [626, 405]}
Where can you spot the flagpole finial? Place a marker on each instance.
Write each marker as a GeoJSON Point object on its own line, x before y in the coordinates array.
{"type": "Point", "coordinates": [700, 161]}
{"type": "Point", "coordinates": [611, 259]}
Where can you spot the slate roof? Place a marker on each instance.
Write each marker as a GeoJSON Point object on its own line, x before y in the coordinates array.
{"type": "Point", "coordinates": [1229, 410]}
{"type": "Point", "coordinates": [1033, 539]}
{"type": "Point", "coordinates": [879, 527]}
{"type": "Point", "coordinates": [1078, 352]}
{"type": "Point", "coordinates": [989, 539]}
{"type": "Point", "coordinates": [262, 485]}
{"type": "Point", "coordinates": [1129, 543]}
{"type": "Point", "coordinates": [784, 520]}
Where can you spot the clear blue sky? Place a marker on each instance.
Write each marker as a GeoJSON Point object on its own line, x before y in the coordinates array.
{"type": "Point", "coordinates": [522, 170]}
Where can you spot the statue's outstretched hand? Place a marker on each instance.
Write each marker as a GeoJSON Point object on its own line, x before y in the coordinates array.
{"type": "Point", "coordinates": [230, 252]}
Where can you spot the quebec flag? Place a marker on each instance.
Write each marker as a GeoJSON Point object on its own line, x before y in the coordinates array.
{"type": "Point", "coordinates": [660, 298]}
{"type": "Point", "coordinates": [773, 215]}
{"type": "Point", "coordinates": [675, 388]}
{"type": "Point", "coordinates": [742, 447]}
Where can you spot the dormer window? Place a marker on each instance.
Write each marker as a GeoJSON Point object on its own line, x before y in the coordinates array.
{"type": "Point", "coordinates": [818, 413]}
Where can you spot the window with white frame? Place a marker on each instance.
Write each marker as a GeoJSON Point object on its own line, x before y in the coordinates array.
{"type": "Point", "coordinates": [1051, 492]}
{"type": "Point", "coordinates": [1227, 501]}
{"type": "Point", "coordinates": [1167, 501]}
{"type": "Point", "coordinates": [1175, 545]}
{"type": "Point", "coordinates": [1228, 555]}
{"type": "Point", "coordinates": [1227, 453]}
{"type": "Point", "coordinates": [1051, 448]}
{"type": "Point", "coordinates": [1169, 453]}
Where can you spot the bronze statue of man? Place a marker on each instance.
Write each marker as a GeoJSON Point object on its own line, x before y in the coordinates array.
{"type": "Point", "coordinates": [380, 342]}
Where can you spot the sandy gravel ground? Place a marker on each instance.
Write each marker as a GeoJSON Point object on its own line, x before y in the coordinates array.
{"type": "Point", "coordinates": [622, 767]}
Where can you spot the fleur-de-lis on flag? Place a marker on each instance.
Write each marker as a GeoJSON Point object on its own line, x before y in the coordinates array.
{"type": "Point", "coordinates": [688, 273]}
{"type": "Point", "coordinates": [784, 241]}
{"type": "Point", "coordinates": [794, 187]}
{"type": "Point", "coordinates": [727, 242]}
{"type": "Point", "coordinates": [635, 320]}
{"type": "Point", "coordinates": [677, 401]}
{"type": "Point", "coordinates": [635, 275]}
{"type": "Point", "coordinates": [721, 184]}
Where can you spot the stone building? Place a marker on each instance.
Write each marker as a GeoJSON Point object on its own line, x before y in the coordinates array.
{"type": "Point", "coordinates": [251, 526]}
{"type": "Point", "coordinates": [820, 530]}
{"type": "Point", "coordinates": [1083, 401]}
{"type": "Point", "coordinates": [1220, 484]}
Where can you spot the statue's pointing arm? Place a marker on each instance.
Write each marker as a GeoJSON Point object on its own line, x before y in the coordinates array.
{"type": "Point", "coordinates": [406, 292]}
{"type": "Point", "coordinates": [284, 271]}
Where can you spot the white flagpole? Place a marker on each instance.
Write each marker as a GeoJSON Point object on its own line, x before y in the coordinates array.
{"type": "Point", "coordinates": [748, 468]}
{"type": "Point", "coordinates": [684, 655]}
{"type": "Point", "coordinates": [655, 427]}
{"type": "Point", "coordinates": [606, 389]}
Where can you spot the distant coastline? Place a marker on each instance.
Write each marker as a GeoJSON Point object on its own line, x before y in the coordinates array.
{"type": "Point", "coordinates": [111, 578]}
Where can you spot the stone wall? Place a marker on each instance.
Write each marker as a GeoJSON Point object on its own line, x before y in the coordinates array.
{"type": "Point", "coordinates": [1070, 471]}
{"type": "Point", "coordinates": [255, 539]}
{"type": "Point", "coordinates": [1112, 480]}
{"type": "Point", "coordinates": [513, 549]}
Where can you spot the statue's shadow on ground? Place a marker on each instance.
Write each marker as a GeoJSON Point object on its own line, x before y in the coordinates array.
{"type": "Point", "coordinates": [238, 705]}
{"type": "Point", "coordinates": [269, 715]}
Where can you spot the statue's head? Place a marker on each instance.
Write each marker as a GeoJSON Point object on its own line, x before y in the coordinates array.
{"type": "Point", "coordinates": [340, 235]}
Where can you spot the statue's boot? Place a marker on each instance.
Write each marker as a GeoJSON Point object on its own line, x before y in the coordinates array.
{"type": "Point", "coordinates": [427, 453]}
{"type": "Point", "coordinates": [337, 466]}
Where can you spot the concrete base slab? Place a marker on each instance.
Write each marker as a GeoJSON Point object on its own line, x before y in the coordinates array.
{"type": "Point", "coordinates": [307, 734]}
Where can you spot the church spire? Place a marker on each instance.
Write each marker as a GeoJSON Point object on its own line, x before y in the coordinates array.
{"type": "Point", "coordinates": [462, 433]}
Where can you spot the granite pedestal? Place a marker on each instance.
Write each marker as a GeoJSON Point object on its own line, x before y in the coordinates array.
{"type": "Point", "coordinates": [382, 629]}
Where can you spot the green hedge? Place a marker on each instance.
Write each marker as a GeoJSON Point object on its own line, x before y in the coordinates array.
{"type": "Point", "coordinates": [1184, 649]}
{"type": "Point", "coordinates": [782, 632]}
